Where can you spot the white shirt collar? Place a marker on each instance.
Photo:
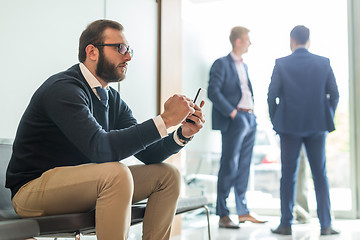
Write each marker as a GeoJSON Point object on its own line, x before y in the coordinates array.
{"type": "Point", "coordinates": [235, 58]}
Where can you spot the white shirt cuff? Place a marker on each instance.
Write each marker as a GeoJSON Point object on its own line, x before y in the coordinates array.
{"type": "Point", "coordinates": [160, 125]}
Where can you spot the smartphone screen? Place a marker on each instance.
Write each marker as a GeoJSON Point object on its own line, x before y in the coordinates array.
{"type": "Point", "coordinates": [199, 100]}
{"type": "Point", "coordinates": [199, 97]}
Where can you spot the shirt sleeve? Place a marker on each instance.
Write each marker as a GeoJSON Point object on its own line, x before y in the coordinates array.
{"type": "Point", "coordinates": [160, 125]}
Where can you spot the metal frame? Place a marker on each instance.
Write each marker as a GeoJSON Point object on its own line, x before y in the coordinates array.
{"type": "Point", "coordinates": [208, 219]}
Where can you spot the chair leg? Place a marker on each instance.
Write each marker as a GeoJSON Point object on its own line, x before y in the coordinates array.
{"type": "Point", "coordinates": [77, 237]}
{"type": "Point", "coordinates": [208, 220]}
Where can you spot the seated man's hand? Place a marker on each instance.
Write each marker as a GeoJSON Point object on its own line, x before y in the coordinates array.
{"type": "Point", "coordinates": [176, 109]}
{"type": "Point", "coordinates": [198, 120]}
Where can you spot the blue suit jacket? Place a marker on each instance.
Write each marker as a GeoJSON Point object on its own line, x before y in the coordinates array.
{"type": "Point", "coordinates": [305, 86]}
{"type": "Point", "coordinates": [224, 91]}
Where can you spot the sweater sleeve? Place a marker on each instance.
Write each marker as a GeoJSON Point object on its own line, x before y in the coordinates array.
{"type": "Point", "coordinates": [68, 106]}
{"type": "Point", "coordinates": [159, 150]}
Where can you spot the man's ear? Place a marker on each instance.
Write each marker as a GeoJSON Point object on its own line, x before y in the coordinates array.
{"type": "Point", "coordinates": [92, 52]}
{"type": "Point", "coordinates": [292, 44]}
{"type": "Point", "coordinates": [238, 41]}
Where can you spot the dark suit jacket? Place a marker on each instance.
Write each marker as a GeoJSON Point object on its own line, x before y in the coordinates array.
{"type": "Point", "coordinates": [305, 86]}
{"type": "Point", "coordinates": [224, 91]}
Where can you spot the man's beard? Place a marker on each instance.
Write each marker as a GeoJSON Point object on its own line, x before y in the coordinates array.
{"type": "Point", "coordinates": [108, 71]}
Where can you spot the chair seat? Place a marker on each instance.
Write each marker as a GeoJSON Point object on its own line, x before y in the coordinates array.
{"type": "Point", "coordinates": [18, 229]}
{"type": "Point", "coordinates": [70, 224]}
{"type": "Point", "coordinates": [190, 203]}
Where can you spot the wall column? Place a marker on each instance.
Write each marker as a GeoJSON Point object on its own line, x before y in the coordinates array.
{"type": "Point", "coordinates": [170, 64]}
{"type": "Point", "coordinates": [354, 91]}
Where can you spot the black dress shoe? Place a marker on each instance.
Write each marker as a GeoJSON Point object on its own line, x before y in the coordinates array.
{"type": "Point", "coordinates": [328, 231]}
{"type": "Point", "coordinates": [225, 222]}
{"type": "Point", "coordinates": [282, 230]}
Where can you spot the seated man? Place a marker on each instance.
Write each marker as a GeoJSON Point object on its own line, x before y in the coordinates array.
{"type": "Point", "coordinates": [75, 131]}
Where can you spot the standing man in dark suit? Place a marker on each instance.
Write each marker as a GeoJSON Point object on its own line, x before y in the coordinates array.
{"type": "Point", "coordinates": [302, 99]}
{"type": "Point", "coordinates": [232, 96]}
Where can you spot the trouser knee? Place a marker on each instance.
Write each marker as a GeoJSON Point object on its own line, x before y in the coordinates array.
{"type": "Point", "coordinates": [116, 175]}
{"type": "Point", "coordinates": [172, 177]}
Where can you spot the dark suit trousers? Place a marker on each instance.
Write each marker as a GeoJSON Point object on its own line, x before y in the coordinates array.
{"type": "Point", "coordinates": [315, 148]}
{"type": "Point", "coordinates": [237, 147]}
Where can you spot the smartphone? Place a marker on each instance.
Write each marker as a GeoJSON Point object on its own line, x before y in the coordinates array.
{"type": "Point", "coordinates": [199, 100]}
{"type": "Point", "coordinates": [199, 97]}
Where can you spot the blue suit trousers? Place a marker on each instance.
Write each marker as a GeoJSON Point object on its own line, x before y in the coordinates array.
{"type": "Point", "coordinates": [315, 149]}
{"type": "Point", "coordinates": [237, 146]}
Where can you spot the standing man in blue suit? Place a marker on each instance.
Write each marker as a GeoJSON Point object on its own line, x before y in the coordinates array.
{"type": "Point", "coordinates": [302, 99]}
{"type": "Point", "coordinates": [232, 96]}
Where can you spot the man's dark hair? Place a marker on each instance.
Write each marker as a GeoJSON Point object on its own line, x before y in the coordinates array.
{"type": "Point", "coordinates": [300, 34]}
{"type": "Point", "coordinates": [94, 34]}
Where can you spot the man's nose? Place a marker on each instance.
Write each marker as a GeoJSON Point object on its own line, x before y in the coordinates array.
{"type": "Point", "coordinates": [128, 56]}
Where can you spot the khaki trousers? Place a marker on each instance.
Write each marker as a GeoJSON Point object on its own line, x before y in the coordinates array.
{"type": "Point", "coordinates": [111, 188]}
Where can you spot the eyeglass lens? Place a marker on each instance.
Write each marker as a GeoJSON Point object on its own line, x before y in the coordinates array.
{"type": "Point", "coordinates": [124, 49]}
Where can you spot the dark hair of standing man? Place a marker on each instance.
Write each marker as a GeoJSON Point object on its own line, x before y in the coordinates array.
{"type": "Point", "coordinates": [94, 34]}
{"type": "Point", "coordinates": [300, 34]}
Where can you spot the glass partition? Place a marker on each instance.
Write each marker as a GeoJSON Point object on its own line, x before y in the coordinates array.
{"type": "Point", "coordinates": [206, 28]}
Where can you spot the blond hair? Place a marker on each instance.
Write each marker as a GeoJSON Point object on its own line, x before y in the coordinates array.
{"type": "Point", "coordinates": [237, 32]}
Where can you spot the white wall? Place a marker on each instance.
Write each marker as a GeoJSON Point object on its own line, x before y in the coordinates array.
{"type": "Point", "coordinates": [139, 19]}
{"type": "Point", "coordinates": [40, 37]}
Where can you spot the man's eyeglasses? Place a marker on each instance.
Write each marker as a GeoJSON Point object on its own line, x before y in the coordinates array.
{"type": "Point", "coordinates": [122, 48]}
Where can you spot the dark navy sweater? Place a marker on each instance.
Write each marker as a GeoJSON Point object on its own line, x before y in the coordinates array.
{"type": "Point", "coordinates": [62, 127]}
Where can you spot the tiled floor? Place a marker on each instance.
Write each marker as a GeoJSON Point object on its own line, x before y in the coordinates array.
{"type": "Point", "coordinates": [194, 227]}
{"type": "Point", "coordinates": [350, 230]}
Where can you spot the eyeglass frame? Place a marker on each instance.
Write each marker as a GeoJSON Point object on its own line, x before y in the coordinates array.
{"type": "Point", "coordinates": [128, 49]}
